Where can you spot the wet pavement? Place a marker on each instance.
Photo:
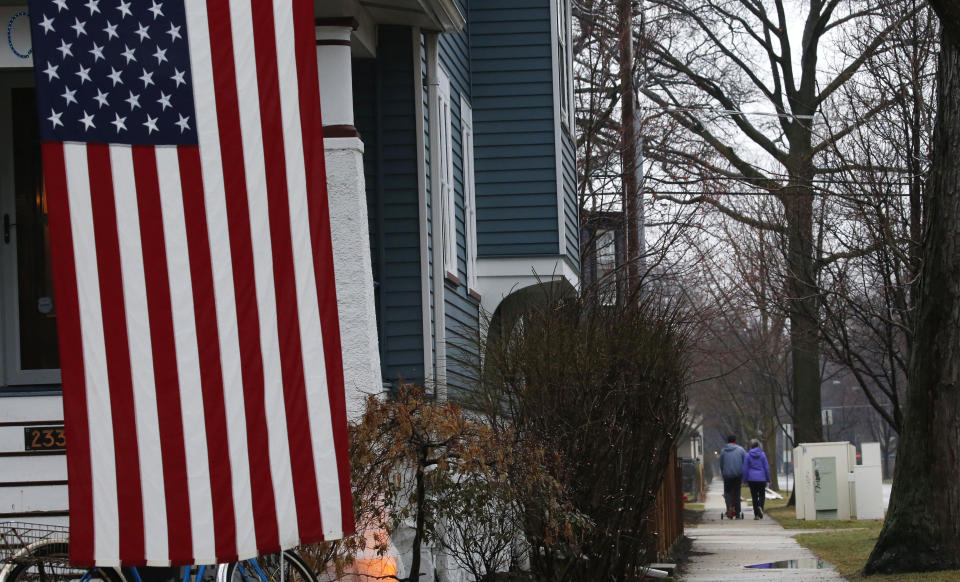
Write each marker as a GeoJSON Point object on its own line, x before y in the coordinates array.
{"type": "Point", "coordinates": [723, 550]}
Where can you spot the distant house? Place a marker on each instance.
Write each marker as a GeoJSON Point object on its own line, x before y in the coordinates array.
{"type": "Point", "coordinates": [451, 168]}
{"type": "Point", "coordinates": [604, 252]}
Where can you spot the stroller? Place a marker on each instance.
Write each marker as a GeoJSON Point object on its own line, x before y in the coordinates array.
{"type": "Point", "coordinates": [731, 511]}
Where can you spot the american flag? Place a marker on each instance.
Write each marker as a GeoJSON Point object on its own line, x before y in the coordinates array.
{"type": "Point", "coordinates": [200, 347]}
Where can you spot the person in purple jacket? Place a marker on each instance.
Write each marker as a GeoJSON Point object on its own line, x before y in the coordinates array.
{"type": "Point", "coordinates": [756, 472]}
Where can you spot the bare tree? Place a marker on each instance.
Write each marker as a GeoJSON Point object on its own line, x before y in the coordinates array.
{"type": "Point", "coordinates": [745, 79]}
{"type": "Point", "coordinates": [877, 210]}
{"type": "Point", "coordinates": [612, 191]}
{"type": "Point", "coordinates": [741, 371]}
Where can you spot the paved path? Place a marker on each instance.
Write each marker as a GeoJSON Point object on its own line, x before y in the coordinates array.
{"type": "Point", "coordinates": [722, 549]}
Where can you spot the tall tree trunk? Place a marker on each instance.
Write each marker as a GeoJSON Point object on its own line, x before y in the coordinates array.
{"type": "Point", "coordinates": [922, 529]}
{"type": "Point", "coordinates": [770, 448]}
{"type": "Point", "coordinates": [804, 308]}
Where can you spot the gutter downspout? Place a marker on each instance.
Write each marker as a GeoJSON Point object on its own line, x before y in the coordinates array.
{"type": "Point", "coordinates": [431, 40]}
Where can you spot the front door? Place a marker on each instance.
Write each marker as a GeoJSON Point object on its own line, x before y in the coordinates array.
{"type": "Point", "coordinates": [28, 311]}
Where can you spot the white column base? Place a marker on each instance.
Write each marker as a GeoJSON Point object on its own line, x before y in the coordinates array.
{"type": "Point", "coordinates": [353, 271]}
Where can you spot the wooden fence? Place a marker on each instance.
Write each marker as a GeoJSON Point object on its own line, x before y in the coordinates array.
{"type": "Point", "coordinates": [668, 510]}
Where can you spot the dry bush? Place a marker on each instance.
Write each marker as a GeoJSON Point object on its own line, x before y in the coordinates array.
{"type": "Point", "coordinates": [597, 393]}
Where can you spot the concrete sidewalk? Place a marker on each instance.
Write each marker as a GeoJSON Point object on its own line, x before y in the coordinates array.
{"type": "Point", "coordinates": [722, 549]}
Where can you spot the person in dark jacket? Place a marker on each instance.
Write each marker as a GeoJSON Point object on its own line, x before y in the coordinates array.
{"type": "Point", "coordinates": [731, 467]}
{"type": "Point", "coordinates": [756, 472]}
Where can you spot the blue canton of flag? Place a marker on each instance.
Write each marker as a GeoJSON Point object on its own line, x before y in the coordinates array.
{"type": "Point", "coordinates": [113, 71]}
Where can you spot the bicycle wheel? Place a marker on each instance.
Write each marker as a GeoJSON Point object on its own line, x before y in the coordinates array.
{"type": "Point", "coordinates": [267, 569]}
{"type": "Point", "coordinates": [48, 562]}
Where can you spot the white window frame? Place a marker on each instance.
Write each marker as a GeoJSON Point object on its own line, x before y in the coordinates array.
{"type": "Point", "coordinates": [11, 372]}
{"type": "Point", "coordinates": [565, 63]}
{"type": "Point", "coordinates": [447, 195]}
{"type": "Point", "coordinates": [469, 192]}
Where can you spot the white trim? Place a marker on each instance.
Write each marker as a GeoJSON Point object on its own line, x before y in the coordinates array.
{"type": "Point", "coordinates": [343, 143]}
{"type": "Point", "coordinates": [333, 62]}
{"type": "Point", "coordinates": [564, 39]}
{"type": "Point", "coordinates": [422, 207]}
{"type": "Point", "coordinates": [439, 311]}
{"type": "Point", "coordinates": [447, 196]}
{"type": "Point", "coordinates": [445, 13]}
{"type": "Point", "coordinates": [557, 128]}
{"type": "Point", "coordinates": [469, 193]}
{"type": "Point", "coordinates": [498, 277]}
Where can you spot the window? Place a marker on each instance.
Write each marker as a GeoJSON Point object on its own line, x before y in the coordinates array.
{"type": "Point", "coordinates": [444, 170]}
{"type": "Point", "coordinates": [469, 192]}
{"type": "Point", "coordinates": [564, 64]}
{"type": "Point", "coordinates": [606, 266]}
{"type": "Point", "coordinates": [606, 253]}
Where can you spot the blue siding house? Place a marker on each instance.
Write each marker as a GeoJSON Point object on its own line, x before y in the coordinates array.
{"type": "Point", "coordinates": [464, 111]}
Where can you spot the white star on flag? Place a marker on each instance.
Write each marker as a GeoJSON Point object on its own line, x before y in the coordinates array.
{"type": "Point", "coordinates": [55, 118]}
{"type": "Point", "coordinates": [128, 53]}
{"type": "Point", "coordinates": [124, 9]}
{"type": "Point", "coordinates": [69, 95]}
{"type": "Point", "coordinates": [79, 26]}
{"type": "Point", "coordinates": [101, 98]}
{"type": "Point", "coordinates": [150, 124]}
{"type": "Point", "coordinates": [65, 48]}
{"type": "Point", "coordinates": [147, 78]}
{"type": "Point", "coordinates": [119, 122]}
{"type": "Point", "coordinates": [183, 123]}
{"type": "Point", "coordinates": [133, 100]}
{"type": "Point", "coordinates": [115, 76]}
{"type": "Point", "coordinates": [87, 121]}
{"type": "Point", "coordinates": [174, 32]}
{"type": "Point", "coordinates": [142, 32]}
{"type": "Point", "coordinates": [51, 71]}
{"type": "Point", "coordinates": [156, 9]}
{"type": "Point", "coordinates": [111, 30]}
{"type": "Point", "coordinates": [84, 74]}
{"type": "Point", "coordinates": [47, 24]}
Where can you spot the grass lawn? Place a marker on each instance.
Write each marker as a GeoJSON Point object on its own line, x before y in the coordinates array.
{"type": "Point", "coordinates": [847, 549]}
{"type": "Point", "coordinates": [787, 517]}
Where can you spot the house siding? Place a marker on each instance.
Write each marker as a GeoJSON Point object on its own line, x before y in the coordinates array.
{"type": "Point", "coordinates": [365, 120]}
{"type": "Point", "coordinates": [515, 148]}
{"type": "Point", "coordinates": [384, 110]}
{"type": "Point", "coordinates": [461, 311]}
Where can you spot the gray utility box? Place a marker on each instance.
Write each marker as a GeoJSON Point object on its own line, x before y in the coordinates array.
{"type": "Point", "coordinates": [824, 488]}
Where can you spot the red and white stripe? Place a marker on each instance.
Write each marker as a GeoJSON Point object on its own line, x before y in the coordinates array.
{"type": "Point", "coordinates": [203, 380]}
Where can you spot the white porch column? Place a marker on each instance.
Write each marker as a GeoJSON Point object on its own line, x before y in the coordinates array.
{"type": "Point", "coordinates": [348, 215]}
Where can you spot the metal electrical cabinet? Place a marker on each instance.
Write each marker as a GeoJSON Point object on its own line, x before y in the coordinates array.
{"type": "Point", "coordinates": [824, 489]}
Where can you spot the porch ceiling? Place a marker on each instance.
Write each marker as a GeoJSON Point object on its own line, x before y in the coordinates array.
{"type": "Point", "coordinates": [439, 15]}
